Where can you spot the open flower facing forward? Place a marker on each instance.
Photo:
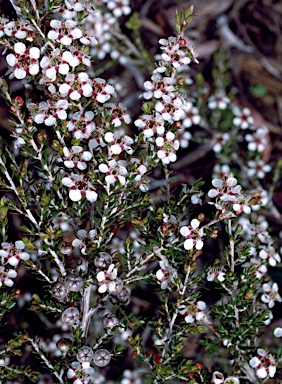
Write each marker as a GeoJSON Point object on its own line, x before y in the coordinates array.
{"type": "Point", "coordinates": [80, 373]}
{"type": "Point", "coordinates": [24, 60]}
{"type": "Point", "coordinates": [64, 32]}
{"type": "Point", "coordinates": [80, 187]}
{"type": "Point", "coordinates": [84, 238]}
{"type": "Point", "coordinates": [14, 253]}
{"type": "Point", "coordinates": [150, 125]}
{"type": "Point", "coordinates": [81, 125]}
{"type": "Point", "coordinates": [271, 294]}
{"type": "Point", "coordinates": [48, 112]}
{"type": "Point", "coordinates": [76, 157]}
{"type": "Point", "coordinates": [216, 273]}
{"type": "Point", "coordinates": [115, 171]}
{"type": "Point", "coordinates": [118, 142]}
{"type": "Point", "coordinates": [264, 364]}
{"type": "Point", "coordinates": [117, 113]}
{"type": "Point", "coordinates": [170, 110]}
{"type": "Point", "coordinates": [75, 86]}
{"type": "Point", "coordinates": [109, 281]}
{"type": "Point", "coordinates": [193, 311]}
{"type": "Point", "coordinates": [168, 146]}
{"type": "Point", "coordinates": [193, 235]}
{"type": "Point", "coordinates": [6, 277]}
{"type": "Point", "coordinates": [158, 86]}
{"type": "Point", "coordinates": [173, 54]}
{"type": "Point", "coordinates": [166, 274]}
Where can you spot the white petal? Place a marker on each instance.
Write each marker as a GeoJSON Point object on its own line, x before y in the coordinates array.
{"type": "Point", "coordinates": [13, 261]}
{"type": "Point", "coordinates": [11, 59]}
{"type": "Point", "coordinates": [75, 194]}
{"type": "Point", "coordinates": [91, 196]}
{"type": "Point", "coordinates": [188, 244]}
{"type": "Point", "coordinates": [19, 48]}
{"type": "Point", "coordinates": [20, 73]}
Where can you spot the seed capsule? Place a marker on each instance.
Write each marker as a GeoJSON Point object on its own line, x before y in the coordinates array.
{"type": "Point", "coordinates": [70, 316]}
{"type": "Point", "coordinates": [85, 354]}
{"type": "Point", "coordinates": [64, 344]}
{"type": "Point", "coordinates": [59, 290]}
{"type": "Point", "coordinates": [102, 358]}
{"type": "Point", "coordinates": [66, 249]}
{"type": "Point", "coordinates": [123, 296]}
{"type": "Point", "coordinates": [74, 282]}
{"type": "Point", "coordinates": [103, 261]}
{"type": "Point", "coordinates": [110, 320]}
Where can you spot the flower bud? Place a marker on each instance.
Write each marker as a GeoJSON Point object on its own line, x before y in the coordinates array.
{"type": "Point", "coordinates": [70, 316]}
{"type": "Point", "coordinates": [59, 290]}
{"type": "Point", "coordinates": [102, 358]}
{"type": "Point", "coordinates": [110, 320]}
{"type": "Point", "coordinates": [64, 344]}
{"type": "Point", "coordinates": [85, 355]}
{"type": "Point", "coordinates": [66, 249]}
{"type": "Point", "coordinates": [4, 361]}
{"type": "Point", "coordinates": [74, 282]}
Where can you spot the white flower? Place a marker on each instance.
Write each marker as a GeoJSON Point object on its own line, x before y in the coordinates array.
{"type": "Point", "coordinates": [220, 101]}
{"type": "Point", "coordinates": [172, 54]}
{"type": "Point", "coordinates": [76, 85]}
{"type": "Point", "coordinates": [115, 171]}
{"type": "Point", "coordinates": [257, 141]}
{"type": "Point", "coordinates": [150, 125]}
{"type": "Point", "coordinates": [167, 148]}
{"type": "Point", "coordinates": [76, 157]}
{"type": "Point", "coordinates": [83, 237]}
{"type": "Point", "coordinates": [271, 294]}
{"type": "Point", "coordinates": [80, 373]}
{"type": "Point", "coordinates": [243, 118]}
{"type": "Point", "coordinates": [131, 377]}
{"type": "Point", "coordinates": [24, 60]}
{"type": "Point", "coordinates": [194, 311]}
{"type": "Point", "coordinates": [102, 91]}
{"type": "Point", "coordinates": [258, 168]}
{"type": "Point", "coordinates": [109, 280]}
{"type": "Point", "coordinates": [6, 276]}
{"type": "Point", "coordinates": [183, 137]}
{"type": "Point", "coordinates": [119, 7]}
{"type": "Point", "coordinates": [170, 110]}
{"type": "Point", "coordinates": [216, 273]}
{"type": "Point", "coordinates": [268, 253]}
{"type": "Point", "coordinates": [118, 142]}
{"type": "Point", "coordinates": [80, 187]}
{"type": "Point", "coordinates": [64, 32]}
{"type": "Point", "coordinates": [264, 364]}
{"type": "Point", "coordinates": [192, 115]}
{"type": "Point", "coordinates": [117, 113]}
{"type": "Point", "coordinates": [232, 380]}
{"type": "Point", "coordinates": [158, 87]}
{"type": "Point", "coordinates": [219, 140]}
{"type": "Point", "coordinates": [81, 125]}
{"type": "Point", "coordinates": [14, 253]}
{"type": "Point", "coordinates": [166, 274]}
{"type": "Point", "coordinates": [193, 235]}
{"type": "Point", "coordinates": [48, 112]}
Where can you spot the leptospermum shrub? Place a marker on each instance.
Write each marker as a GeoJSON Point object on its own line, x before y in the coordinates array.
{"type": "Point", "coordinates": [104, 227]}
